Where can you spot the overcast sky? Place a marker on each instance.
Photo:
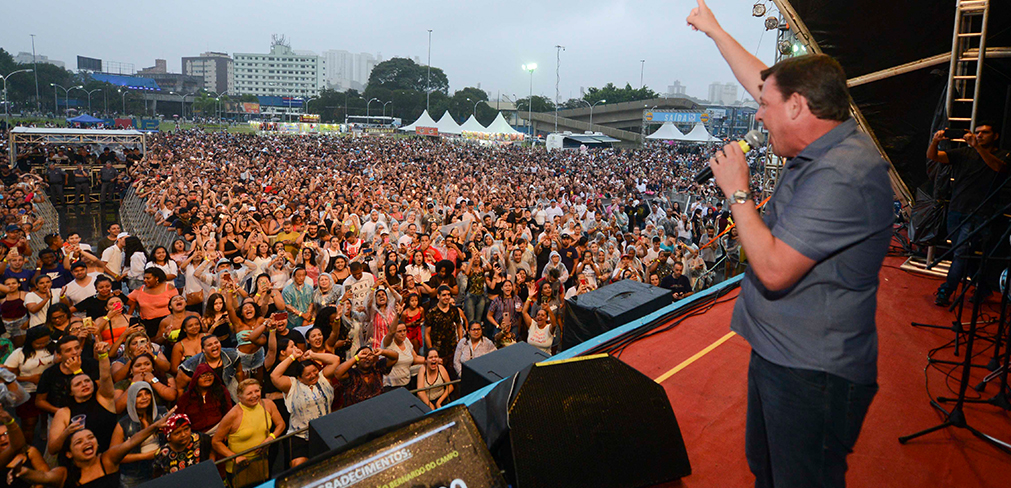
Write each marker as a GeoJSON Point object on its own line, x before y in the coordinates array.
{"type": "Point", "coordinates": [474, 41]}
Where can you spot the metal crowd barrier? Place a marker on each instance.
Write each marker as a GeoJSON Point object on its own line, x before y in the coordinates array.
{"type": "Point", "coordinates": [37, 239]}
{"type": "Point", "coordinates": [136, 222]}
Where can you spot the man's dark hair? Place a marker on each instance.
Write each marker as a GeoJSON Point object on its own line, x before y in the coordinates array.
{"type": "Point", "coordinates": [355, 266]}
{"type": "Point", "coordinates": [991, 123]}
{"type": "Point", "coordinates": [67, 339]}
{"type": "Point", "coordinates": [442, 288]}
{"type": "Point", "coordinates": [818, 78]}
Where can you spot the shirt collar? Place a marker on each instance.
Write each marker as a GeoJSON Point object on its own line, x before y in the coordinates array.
{"type": "Point", "coordinates": [827, 141]}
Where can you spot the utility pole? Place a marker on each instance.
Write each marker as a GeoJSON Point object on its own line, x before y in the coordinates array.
{"type": "Point", "coordinates": [642, 68]}
{"type": "Point", "coordinates": [558, 60]}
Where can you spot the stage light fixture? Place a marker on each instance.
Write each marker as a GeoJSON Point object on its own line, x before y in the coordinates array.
{"type": "Point", "coordinates": [785, 47]}
{"type": "Point", "coordinates": [771, 23]}
{"type": "Point", "coordinates": [758, 9]}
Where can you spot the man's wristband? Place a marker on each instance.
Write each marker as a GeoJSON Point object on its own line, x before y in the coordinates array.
{"type": "Point", "coordinates": [356, 358]}
{"type": "Point", "coordinates": [10, 422]}
{"type": "Point", "coordinates": [272, 436]}
{"type": "Point", "coordinates": [78, 371]}
{"type": "Point", "coordinates": [292, 358]}
{"type": "Point", "coordinates": [103, 355]}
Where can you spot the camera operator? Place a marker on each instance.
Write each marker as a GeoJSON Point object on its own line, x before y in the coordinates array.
{"type": "Point", "coordinates": [975, 169]}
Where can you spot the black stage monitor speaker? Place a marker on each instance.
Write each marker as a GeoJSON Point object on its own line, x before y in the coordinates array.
{"type": "Point", "coordinates": [443, 450]}
{"type": "Point", "coordinates": [349, 424]}
{"type": "Point", "coordinates": [203, 475]}
{"type": "Point", "coordinates": [591, 314]}
{"type": "Point", "coordinates": [587, 422]}
{"type": "Point", "coordinates": [503, 363]}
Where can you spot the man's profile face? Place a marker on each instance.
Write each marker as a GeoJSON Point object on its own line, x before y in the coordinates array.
{"type": "Point", "coordinates": [773, 112]}
{"type": "Point", "coordinates": [985, 135]}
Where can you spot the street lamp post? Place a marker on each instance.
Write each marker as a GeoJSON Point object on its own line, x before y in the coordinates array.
{"type": "Point", "coordinates": [105, 96]}
{"type": "Point", "coordinates": [182, 105]}
{"type": "Point", "coordinates": [530, 101]}
{"type": "Point", "coordinates": [642, 69]}
{"type": "Point", "coordinates": [305, 104]}
{"type": "Point", "coordinates": [7, 118]}
{"type": "Point", "coordinates": [66, 93]}
{"type": "Point", "coordinates": [384, 108]}
{"type": "Point", "coordinates": [123, 92]}
{"type": "Point", "coordinates": [367, 109]}
{"type": "Point", "coordinates": [591, 109]}
{"type": "Point", "coordinates": [474, 113]}
{"type": "Point", "coordinates": [89, 95]}
{"type": "Point", "coordinates": [217, 99]}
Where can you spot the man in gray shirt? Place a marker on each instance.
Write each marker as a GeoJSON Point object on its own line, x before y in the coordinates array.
{"type": "Point", "coordinates": [57, 181]}
{"type": "Point", "coordinates": [808, 299]}
{"type": "Point", "coordinates": [108, 174]}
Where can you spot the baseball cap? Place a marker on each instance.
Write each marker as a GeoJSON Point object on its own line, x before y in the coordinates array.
{"type": "Point", "coordinates": [122, 235]}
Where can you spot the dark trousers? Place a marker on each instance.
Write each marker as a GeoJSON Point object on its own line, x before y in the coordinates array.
{"type": "Point", "coordinates": [961, 264]}
{"type": "Point", "coordinates": [57, 193]}
{"type": "Point", "coordinates": [82, 187]}
{"type": "Point", "coordinates": [108, 189]}
{"type": "Point", "coordinates": [801, 424]}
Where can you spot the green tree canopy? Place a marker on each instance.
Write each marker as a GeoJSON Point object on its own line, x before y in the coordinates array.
{"type": "Point", "coordinates": [405, 74]}
{"type": "Point", "coordinates": [614, 94]}
{"type": "Point", "coordinates": [541, 104]}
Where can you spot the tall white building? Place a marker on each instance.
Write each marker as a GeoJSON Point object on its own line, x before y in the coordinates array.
{"type": "Point", "coordinates": [676, 90]}
{"type": "Point", "coordinates": [217, 70]}
{"type": "Point", "coordinates": [343, 69]}
{"type": "Point", "coordinates": [723, 93]}
{"type": "Point", "coordinates": [281, 72]}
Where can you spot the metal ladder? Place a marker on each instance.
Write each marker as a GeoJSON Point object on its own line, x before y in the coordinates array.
{"type": "Point", "coordinates": [968, 48]}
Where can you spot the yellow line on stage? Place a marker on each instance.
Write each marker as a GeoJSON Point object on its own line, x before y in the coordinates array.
{"type": "Point", "coordinates": [684, 364]}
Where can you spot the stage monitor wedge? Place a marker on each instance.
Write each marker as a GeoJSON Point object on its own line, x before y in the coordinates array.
{"type": "Point", "coordinates": [353, 423]}
{"type": "Point", "coordinates": [590, 422]}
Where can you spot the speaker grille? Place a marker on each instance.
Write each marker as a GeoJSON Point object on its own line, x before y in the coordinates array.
{"type": "Point", "coordinates": [594, 422]}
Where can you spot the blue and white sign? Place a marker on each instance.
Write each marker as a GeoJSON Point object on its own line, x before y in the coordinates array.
{"type": "Point", "coordinates": [675, 117]}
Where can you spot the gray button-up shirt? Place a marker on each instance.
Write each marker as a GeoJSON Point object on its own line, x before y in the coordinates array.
{"type": "Point", "coordinates": [833, 205]}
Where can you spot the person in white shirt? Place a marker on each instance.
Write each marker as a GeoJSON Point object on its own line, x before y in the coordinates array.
{"type": "Point", "coordinates": [112, 256]}
{"type": "Point", "coordinates": [82, 287]}
{"type": "Point", "coordinates": [39, 300]}
{"type": "Point", "coordinates": [553, 211]}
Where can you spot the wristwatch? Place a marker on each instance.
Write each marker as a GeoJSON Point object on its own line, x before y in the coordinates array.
{"type": "Point", "coordinates": [740, 196]}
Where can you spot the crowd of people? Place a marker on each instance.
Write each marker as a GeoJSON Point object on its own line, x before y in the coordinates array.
{"type": "Point", "coordinates": [309, 274]}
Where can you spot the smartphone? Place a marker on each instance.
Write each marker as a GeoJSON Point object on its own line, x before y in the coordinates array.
{"type": "Point", "coordinates": [954, 133]}
{"type": "Point", "coordinates": [134, 320]}
{"type": "Point", "coordinates": [279, 316]}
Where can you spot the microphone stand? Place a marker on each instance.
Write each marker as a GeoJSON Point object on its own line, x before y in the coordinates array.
{"type": "Point", "coordinates": [959, 303]}
{"type": "Point", "coordinates": [956, 417]}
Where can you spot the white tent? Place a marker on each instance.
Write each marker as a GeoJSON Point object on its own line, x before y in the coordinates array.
{"type": "Point", "coordinates": [698, 134]}
{"type": "Point", "coordinates": [447, 125]}
{"type": "Point", "coordinates": [424, 120]}
{"type": "Point", "coordinates": [472, 125]}
{"type": "Point", "coordinates": [667, 132]}
{"type": "Point", "coordinates": [500, 126]}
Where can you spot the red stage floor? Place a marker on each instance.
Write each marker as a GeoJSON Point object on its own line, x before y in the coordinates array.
{"type": "Point", "coordinates": [709, 395]}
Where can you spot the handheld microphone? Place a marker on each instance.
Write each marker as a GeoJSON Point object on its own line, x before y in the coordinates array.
{"type": "Point", "coordinates": [754, 138]}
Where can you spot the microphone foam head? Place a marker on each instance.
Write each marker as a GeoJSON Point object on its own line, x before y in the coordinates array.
{"type": "Point", "coordinates": [755, 138]}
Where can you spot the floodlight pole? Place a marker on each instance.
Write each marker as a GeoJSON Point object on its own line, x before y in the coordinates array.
{"type": "Point", "coordinates": [7, 117]}
{"type": "Point", "coordinates": [530, 101]}
{"type": "Point", "coordinates": [384, 108]}
{"type": "Point", "coordinates": [428, 77]}
{"type": "Point", "coordinates": [558, 60]}
{"type": "Point", "coordinates": [35, 67]}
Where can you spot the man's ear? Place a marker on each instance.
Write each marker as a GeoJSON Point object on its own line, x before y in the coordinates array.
{"type": "Point", "coordinates": [796, 105]}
